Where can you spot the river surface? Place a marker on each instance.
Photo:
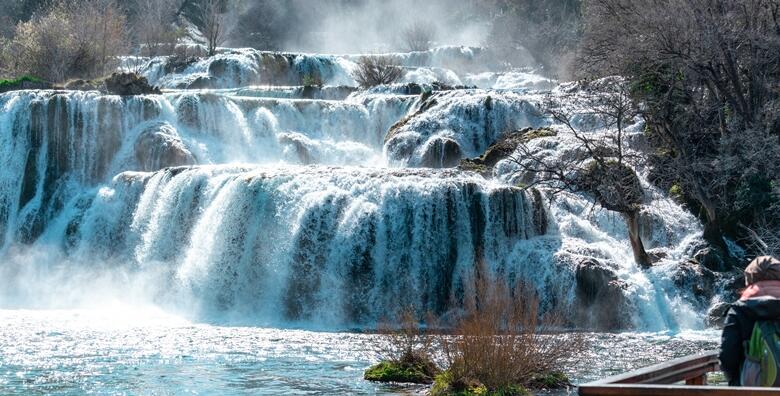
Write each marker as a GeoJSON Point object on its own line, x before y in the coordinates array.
{"type": "Point", "coordinates": [128, 350]}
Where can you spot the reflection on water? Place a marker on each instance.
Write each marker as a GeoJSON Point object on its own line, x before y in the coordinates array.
{"type": "Point", "coordinates": [122, 350]}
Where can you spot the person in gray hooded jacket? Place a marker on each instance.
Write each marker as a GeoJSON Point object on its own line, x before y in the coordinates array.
{"type": "Point", "coordinates": [759, 301]}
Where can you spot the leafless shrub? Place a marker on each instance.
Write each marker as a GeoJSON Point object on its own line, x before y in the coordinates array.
{"type": "Point", "coordinates": [706, 74]}
{"type": "Point", "coordinates": [212, 23]}
{"type": "Point", "coordinates": [153, 27]}
{"type": "Point", "coordinates": [502, 339]}
{"type": "Point", "coordinates": [377, 70]}
{"type": "Point", "coordinates": [418, 36]}
{"type": "Point", "coordinates": [404, 340]}
{"type": "Point", "coordinates": [100, 35]}
{"type": "Point", "coordinates": [79, 38]}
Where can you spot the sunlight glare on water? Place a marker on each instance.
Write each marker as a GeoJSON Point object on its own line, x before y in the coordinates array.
{"type": "Point", "coordinates": [129, 350]}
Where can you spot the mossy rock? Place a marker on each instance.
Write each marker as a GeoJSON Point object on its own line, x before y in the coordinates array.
{"type": "Point", "coordinates": [396, 371]}
{"type": "Point", "coordinates": [427, 100]}
{"type": "Point", "coordinates": [24, 82]}
{"type": "Point", "coordinates": [503, 148]}
{"type": "Point", "coordinates": [529, 134]}
{"type": "Point", "coordinates": [446, 385]}
{"type": "Point", "coordinates": [470, 165]}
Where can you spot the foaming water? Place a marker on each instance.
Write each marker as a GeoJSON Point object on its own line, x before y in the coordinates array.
{"type": "Point", "coordinates": [153, 201]}
{"type": "Point", "coordinates": [320, 207]}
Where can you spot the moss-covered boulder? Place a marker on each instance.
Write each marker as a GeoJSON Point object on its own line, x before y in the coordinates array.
{"type": "Point", "coordinates": [473, 165]}
{"type": "Point", "coordinates": [427, 100]}
{"type": "Point", "coordinates": [502, 149]}
{"type": "Point", "coordinates": [419, 372]}
{"type": "Point", "coordinates": [128, 84]}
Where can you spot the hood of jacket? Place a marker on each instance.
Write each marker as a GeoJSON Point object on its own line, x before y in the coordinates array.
{"type": "Point", "coordinates": [759, 308]}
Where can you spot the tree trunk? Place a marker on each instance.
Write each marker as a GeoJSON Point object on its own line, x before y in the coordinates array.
{"type": "Point", "coordinates": [640, 255]}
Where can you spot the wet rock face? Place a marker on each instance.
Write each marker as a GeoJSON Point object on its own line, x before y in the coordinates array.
{"type": "Point", "coordinates": [711, 258]}
{"type": "Point", "coordinates": [129, 84]}
{"type": "Point", "coordinates": [694, 277]}
{"type": "Point", "coordinates": [159, 146]}
{"type": "Point", "coordinates": [441, 152]}
{"type": "Point", "coordinates": [204, 82]}
{"type": "Point", "coordinates": [298, 147]}
{"type": "Point", "coordinates": [187, 111]}
{"type": "Point", "coordinates": [600, 299]}
{"type": "Point", "coordinates": [716, 314]}
{"type": "Point", "coordinates": [177, 64]}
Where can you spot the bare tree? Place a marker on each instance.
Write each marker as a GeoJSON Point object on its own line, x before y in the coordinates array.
{"type": "Point", "coordinates": [100, 34]}
{"type": "Point", "coordinates": [706, 72]}
{"type": "Point", "coordinates": [418, 36]}
{"type": "Point", "coordinates": [377, 70]}
{"type": "Point", "coordinates": [78, 38]}
{"type": "Point", "coordinates": [550, 30]}
{"type": "Point", "coordinates": [211, 14]}
{"type": "Point", "coordinates": [153, 26]}
{"type": "Point", "coordinates": [599, 164]}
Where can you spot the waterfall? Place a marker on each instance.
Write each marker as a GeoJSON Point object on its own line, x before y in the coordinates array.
{"type": "Point", "coordinates": [296, 205]}
{"type": "Point", "coordinates": [329, 245]}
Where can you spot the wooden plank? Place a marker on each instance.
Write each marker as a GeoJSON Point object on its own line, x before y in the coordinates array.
{"type": "Point", "coordinates": [672, 390]}
{"type": "Point", "coordinates": [668, 372]}
{"type": "Point", "coordinates": [700, 380]}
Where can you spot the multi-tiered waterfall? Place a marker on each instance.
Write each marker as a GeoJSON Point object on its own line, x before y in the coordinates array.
{"type": "Point", "coordinates": [241, 193]}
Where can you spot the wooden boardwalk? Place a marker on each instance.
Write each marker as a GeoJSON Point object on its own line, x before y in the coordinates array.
{"type": "Point", "coordinates": [679, 377]}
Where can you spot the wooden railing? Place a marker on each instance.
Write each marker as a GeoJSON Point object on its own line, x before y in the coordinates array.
{"type": "Point", "coordinates": [684, 376]}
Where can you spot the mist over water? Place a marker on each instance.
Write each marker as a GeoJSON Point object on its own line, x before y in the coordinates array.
{"type": "Point", "coordinates": [365, 26]}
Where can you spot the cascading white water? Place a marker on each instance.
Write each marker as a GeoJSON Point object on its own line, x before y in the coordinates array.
{"type": "Point", "coordinates": [241, 67]}
{"type": "Point", "coordinates": [282, 204]}
{"type": "Point", "coordinates": [330, 245]}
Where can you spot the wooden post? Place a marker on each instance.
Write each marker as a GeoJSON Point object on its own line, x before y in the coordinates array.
{"type": "Point", "coordinates": [700, 380]}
